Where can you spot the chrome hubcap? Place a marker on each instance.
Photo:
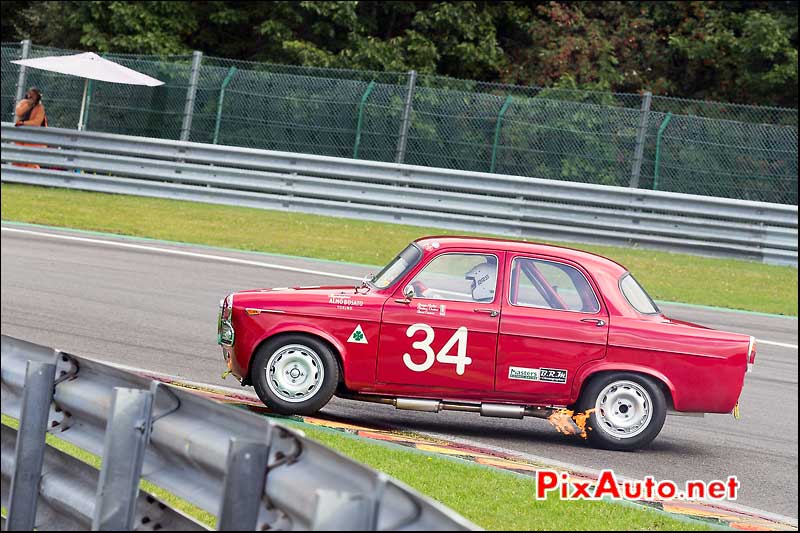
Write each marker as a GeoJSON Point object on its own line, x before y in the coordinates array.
{"type": "Point", "coordinates": [623, 409]}
{"type": "Point", "coordinates": [294, 373]}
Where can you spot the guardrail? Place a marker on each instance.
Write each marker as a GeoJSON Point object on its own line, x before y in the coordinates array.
{"type": "Point", "coordinates": [251, 473]}
{"type": "Point", "coordinates": [488, 203]}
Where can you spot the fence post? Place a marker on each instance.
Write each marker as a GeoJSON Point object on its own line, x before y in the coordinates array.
{"type": "Point", "coordinates": [225, 82]}
{"type": "Point", "coordinates": [361, 117]}
{"type": "Point", "coordinates": [26, 50]}
{"type": "Point", "coordinates": [29, 452]}
{"type": "Point", "coordinates": [499, 124]}
{"type": "Point", "coordinates": [188, 111]}
{"type": "Point", "coordinates": [658, 149]}
{"type": "Point", "coordinates": [406, 121]}
{"type": "Point", "coordinates": [638, 153]}
{"type": "Point", "coordinates": [127, 433]}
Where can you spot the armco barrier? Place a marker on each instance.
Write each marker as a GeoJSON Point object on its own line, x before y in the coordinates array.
{"type": "Point", "coordinates": [487, 203]}
{"type": "Point", "coordinates": [251, 473]}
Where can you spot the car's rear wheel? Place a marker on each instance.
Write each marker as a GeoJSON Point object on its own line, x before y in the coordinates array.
{"type": "Point", "coordinates": [294, 374]}
{"type": "Point", "coordinates": [628, 410]}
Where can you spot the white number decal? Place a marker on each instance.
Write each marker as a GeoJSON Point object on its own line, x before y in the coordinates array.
{"type": "Point", "coordinates": [461, 359]}
{"type": "Point", "coordinates": [424, 345]}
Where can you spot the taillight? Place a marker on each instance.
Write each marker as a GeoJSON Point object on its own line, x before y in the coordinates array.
{"type": "Point", "coordinates": [751, 354]}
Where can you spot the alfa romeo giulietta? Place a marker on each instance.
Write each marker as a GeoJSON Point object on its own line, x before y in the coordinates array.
{"type": "Point", "coordinates": [496, 327]}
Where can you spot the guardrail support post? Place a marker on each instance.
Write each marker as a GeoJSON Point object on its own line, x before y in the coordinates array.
{"type": "Point", "coordinates": [499, 124]}
{"type": "Point", "coordinates": [188, 111]}
{"type": "Point", "coordinates": [29, 451]}
{"type": "Point", "coordinates": [222, 88]}
{"type": "Point", "coordinates": [638, 152]}
{"type": "Point", "coordinates": [361, 105]}
{"type": "Point", "coordinates": [661, 129]}
{"type": "Point", "coordinates": [26, 50]}
{"type": "Point", "coordinates": [127, 433]}
{"type": "Point", "coordinates": [405, 123]}
{"type": "Point", "coordinates": [245, 478]}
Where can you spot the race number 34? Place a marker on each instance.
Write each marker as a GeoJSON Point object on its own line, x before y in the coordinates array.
{"type": "Point", "coordinates": [459, 339]}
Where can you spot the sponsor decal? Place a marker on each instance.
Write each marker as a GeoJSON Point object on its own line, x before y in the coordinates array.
{"type": "Point", "coordinates": [427, 309]}
{"type": "Point", "coordinates": [546, 375]}
{"type": "Point", "coordinates": [344, 302]}
{"type": "Point", "coordinates": [358, 336]}
{"type": "Point", "coordinates": [553, 375]}
{"type": "Point", "coordinates": [527, 374]}
{"type": "Point", "coordinates": [431, 309]}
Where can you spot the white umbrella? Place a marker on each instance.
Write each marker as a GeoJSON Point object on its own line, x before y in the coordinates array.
{"type": "Point", "coordinates": [90, 66]}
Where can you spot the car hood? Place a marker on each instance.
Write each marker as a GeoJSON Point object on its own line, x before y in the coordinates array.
{"type": "Point", "coordinates": [341, 301]}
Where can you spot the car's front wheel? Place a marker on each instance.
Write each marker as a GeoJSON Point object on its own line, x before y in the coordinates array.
{"type": "Point", "coordinates": [628, 410]}
{"type": "Point", "coordinates": [294, 374]}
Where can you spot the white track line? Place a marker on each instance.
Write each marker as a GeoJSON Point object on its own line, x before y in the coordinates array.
{"type": "Point", "coordinates": [781, 344]}
{"type": "Point", "coordinates": [235, 260]}
{"type": "Point", "coordinates": [180, 252]}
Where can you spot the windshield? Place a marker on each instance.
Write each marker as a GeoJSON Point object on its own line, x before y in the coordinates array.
{"type": "Point", "coordinates": [397, 267]}
{"type": "Point", "coordinates": [637, 296]}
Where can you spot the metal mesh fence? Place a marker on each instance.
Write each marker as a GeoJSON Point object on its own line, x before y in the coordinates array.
{"type": "Point", "coordinates": [8, 76]}
{"type": "Point", "coordinates": [689, 146]}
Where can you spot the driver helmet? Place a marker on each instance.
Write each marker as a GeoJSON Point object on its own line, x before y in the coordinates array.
{"type": "Point", "coordinates": [483, 277]}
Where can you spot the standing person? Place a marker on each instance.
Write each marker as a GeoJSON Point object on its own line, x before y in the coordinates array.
{"type": "Point", "coordinates": [30, 112]}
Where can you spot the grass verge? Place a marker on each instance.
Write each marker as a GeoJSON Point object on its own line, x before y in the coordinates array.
{"type": "Point", "coordinates": [491, 498]}
{"type": "Point", "coordinates": [675, 277]}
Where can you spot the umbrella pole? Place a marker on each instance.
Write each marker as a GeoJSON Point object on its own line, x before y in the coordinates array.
{"type": "Point", "coordinates": [83, 105]}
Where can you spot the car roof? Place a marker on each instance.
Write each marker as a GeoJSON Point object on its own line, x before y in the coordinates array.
{"type": "Point", "coordinates": [587, 259]}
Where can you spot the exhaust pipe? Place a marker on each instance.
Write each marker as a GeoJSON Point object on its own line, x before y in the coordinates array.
{"type": "Point", "coordinates": [494, 410]}
{"type": "Point", "coordinates": [498, 410]}
{"type": "Point", "coordinates": [412, 404]}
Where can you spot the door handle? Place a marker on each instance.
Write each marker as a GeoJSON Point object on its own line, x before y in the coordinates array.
{"type": "Point", "coordinates": [490, 312]}
{"type": "Point", "coordinates": [597, 321]}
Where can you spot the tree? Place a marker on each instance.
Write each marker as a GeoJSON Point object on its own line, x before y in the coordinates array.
{"type": "Point", "coordinates": [738, 51]}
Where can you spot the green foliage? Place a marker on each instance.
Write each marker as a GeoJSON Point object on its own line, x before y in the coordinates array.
{"type": "Point", "coordinates": [740, 55]}
{"type": "Point", "coordinates": [735, 51]}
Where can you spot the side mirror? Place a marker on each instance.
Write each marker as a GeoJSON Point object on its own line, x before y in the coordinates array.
{"type": "Point", "coordinates": [408, 294]}
{"type": "Point", "coordinates": [364, 281]}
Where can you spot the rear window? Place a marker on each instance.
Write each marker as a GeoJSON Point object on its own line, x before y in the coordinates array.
{"type": "Point", "coordinates": [548, 284]}
{"type": "Point", "coordinates": [637, 296]}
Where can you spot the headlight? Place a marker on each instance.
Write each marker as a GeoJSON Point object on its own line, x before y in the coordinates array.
{"type": "Point", "coordinates": [225, 333]}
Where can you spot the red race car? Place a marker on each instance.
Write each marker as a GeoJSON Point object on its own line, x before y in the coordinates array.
{"type": "Point", "coordinates": [496, 327]}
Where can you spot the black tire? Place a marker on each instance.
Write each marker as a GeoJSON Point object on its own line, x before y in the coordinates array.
{"type": "Point", "coordinates": [639, 391]}
{"type": "Point", "coordinates": [309, 355]}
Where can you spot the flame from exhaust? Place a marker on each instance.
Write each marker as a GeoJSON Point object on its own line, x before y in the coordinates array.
{"type": "Point", "coordinates": [569, 422]}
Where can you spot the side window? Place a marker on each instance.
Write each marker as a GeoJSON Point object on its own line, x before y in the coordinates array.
{"type": "Point", "coordinates": [459, 277]}
{"type": "Point", "coordinates": [547, 284]}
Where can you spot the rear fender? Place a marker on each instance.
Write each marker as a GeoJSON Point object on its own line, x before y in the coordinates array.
{"type": "Point", "coordinates": [590, 369]}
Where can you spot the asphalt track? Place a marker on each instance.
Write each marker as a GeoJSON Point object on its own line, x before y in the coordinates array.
{"type": "Point", "coordinates": [153, 305]}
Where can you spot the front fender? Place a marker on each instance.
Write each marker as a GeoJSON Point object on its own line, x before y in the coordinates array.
{"type": "Point", "coordinates": [357, 359]}
{"type": "Point", "coordinates": [302, 327]}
